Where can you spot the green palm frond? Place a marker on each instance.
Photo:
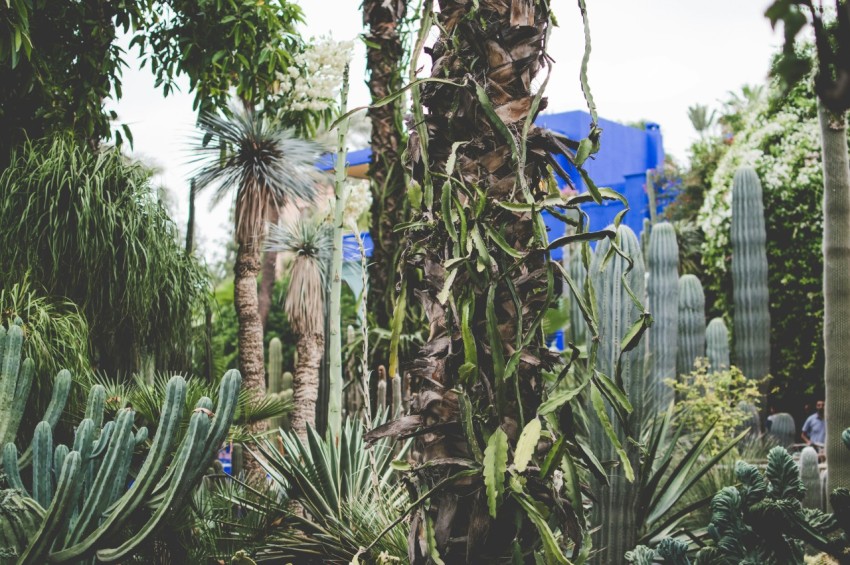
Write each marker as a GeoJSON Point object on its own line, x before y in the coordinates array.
{"type": "Point", "coordinates": [265, 164]}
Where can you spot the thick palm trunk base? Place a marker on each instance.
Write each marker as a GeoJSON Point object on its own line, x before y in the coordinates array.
{"type": "Point", "coordinates": [305, 383]}
{"type": "Point", "coordinates": [251, 359]}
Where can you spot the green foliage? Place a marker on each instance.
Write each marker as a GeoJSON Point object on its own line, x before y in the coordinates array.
{"type": "Point", "coordinates": [712, 399]}
{"type": "Point", "coordinates": [348, 492]}
{"type": "Point", "coordinates": [97, 235]}
{"type": "Point", "coordinates": [61, 61]}
{"type": "Point", "coordinates": [781, 139]}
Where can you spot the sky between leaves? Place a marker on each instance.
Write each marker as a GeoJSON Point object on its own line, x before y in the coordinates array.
{"type": "Point", "coordinates": [651, 59]}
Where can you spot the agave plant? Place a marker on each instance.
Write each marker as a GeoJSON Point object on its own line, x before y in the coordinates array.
{"type": "Point", "coordinates": [311, 243]}
{"type": "Point", "coordinates": [267, 167]}
{"type": "Point", "coordinates": [347, 501]}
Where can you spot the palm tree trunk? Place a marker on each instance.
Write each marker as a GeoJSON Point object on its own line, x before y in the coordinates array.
{"type": "Point", "coordinates": [251, 358]}
{"type": "Point", "coordinates": [269, 273]}
{"type": "Point", "coordinates": [836, 292]}
{"type": "Point", "coordinates": [473, 291]}
{"type": "Point", "coordinates": [383, 59]}
{"type": "Point", "coordinates": [305, 383]}
{"type": "Point", "coordinates": [190, 224]}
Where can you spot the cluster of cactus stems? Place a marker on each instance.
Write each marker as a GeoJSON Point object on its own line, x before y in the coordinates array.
{"type": "Point", "coordinates": [79, 502]}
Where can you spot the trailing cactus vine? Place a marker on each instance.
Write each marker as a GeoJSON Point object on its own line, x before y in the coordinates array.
{"type": "Point", "coordinates": [691, 324]}
{"type": "Point", "coordinates": [783, 428]}
{"type": "Point", "coordinates": [811, 478]}
{"type": "Point", "coordinates": [663, 297]}
{"type": "Point", "coordinates": [490, 390]}
{"type": "Point", "coordinates": [749, 276]}
{"type": "Point", "coordinates": [717, 345]}
{"type": "Point", "coordinates": [615, 512]}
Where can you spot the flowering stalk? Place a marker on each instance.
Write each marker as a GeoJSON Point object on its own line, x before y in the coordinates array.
{"type": "Point", "coordinates": [335, 392]}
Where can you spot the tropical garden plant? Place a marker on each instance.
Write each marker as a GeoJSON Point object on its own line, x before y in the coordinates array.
{"type": "Point", "coordinates": [266, 167]}
{"type": "Point", "coordinates": [309, 241]}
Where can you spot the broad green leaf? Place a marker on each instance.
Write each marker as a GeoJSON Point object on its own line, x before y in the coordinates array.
{"type": "Point", "coordinates": [526, 444]}
{"type": "Point", "coordinates": [495, 466]}
{"type": "Point", "coordinates": [500, 241]}
{"type": "Point", "coordinates": [585, 146]}
{"type": "Point", "coordinates": [400, 465]}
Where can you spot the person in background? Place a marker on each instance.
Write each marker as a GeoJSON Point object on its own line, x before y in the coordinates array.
{"type": "Point", "coordinates": [814, 430]}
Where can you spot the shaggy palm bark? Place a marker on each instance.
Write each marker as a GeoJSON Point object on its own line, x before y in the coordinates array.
{"type": "Point", "coordinates": [305, 382]}
{"type": "Point", "coordinates": [383, 59]}
{"type": "Point", "coordinates": [246, 303]}
{"type": "Point", "coordinates": [486, 279]}
{"type": "Point", "coordinates": [836, 291]}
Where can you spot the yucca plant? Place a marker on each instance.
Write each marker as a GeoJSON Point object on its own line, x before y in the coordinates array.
{"type": "Point", "coordinates": [267, 167]}
{"type": "Point", "coordinates": [310, 241]}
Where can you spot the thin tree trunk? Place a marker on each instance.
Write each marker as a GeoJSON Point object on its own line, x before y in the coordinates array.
{"type": "Point", "coordinates": [250, 336]}
{"type": "Point", "coordinates": [836, 292]}
{"type": "Point", "coordinates": [190, 224]}
{"type": "Point", "coordinates": [269, 272]}
{"type": "Point", "coordinates": [305, 383]}
{"type": "Point", "coordinates": [384, 57]}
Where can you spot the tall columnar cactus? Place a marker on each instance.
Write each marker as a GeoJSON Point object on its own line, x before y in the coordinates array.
{"type": "Point", "coordinates": [749, 276]}
{"type": "Point", "coordinates": [381, 400]}
{"type": "Point", "coordinates": [615, 512]}
{"type": "Point", "coordinates": [663, 293]}
{"type": "Point", "coordinates": [82, 491]}
{"type": "Point", "coordinates": [717, 345]}
{"type": "Point", "coordinates": [578, 327]}
{"type": "Point", "coordinates": [279, 383]}
{"type": "Point", "coordinates": [810, 476]}
{"type": "Point", "coordinates": [783, 428]}
{"type": "Point", "coordinates": [691, 324]}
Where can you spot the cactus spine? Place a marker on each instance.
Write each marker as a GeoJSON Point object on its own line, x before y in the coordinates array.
{"type": "Point", "coordinates": [691, 324]}
{"type": "Point", "coordinates": [663, 292]}
{"type": "Point", "coordinates": [810, 476]}
{"type": "Point", "coordinates": [749, 276]}
{"type": "Point", "coordinates": [717, 345]}
{"type": "Point", "coordinates": [615, 512]}
{"type": "Point", "coordinates": [783, 428]}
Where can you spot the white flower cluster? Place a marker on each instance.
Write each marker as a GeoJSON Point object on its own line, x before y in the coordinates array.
{"type": "Point", "coordinates": [358, 200]}
{"type": "Point", "coordinates": [783, 148]}
{"type": "Point", "coordinates": [315, 77]}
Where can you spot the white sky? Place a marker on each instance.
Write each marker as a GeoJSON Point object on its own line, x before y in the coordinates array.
{"type": "Point", "coordinates": [651, 59]}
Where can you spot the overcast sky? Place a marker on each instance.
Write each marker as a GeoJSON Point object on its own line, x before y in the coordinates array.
{"type": "Point", "coordinates": [651, 59]}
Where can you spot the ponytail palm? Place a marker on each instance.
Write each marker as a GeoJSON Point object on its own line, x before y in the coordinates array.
{"type": "Point", "coordinates": [310, 241]}
{"type": "Point", "coordinates": [267, 167]}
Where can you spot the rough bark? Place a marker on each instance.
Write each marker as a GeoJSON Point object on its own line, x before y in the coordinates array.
{"type": "Point", "coordinates": [492, 49]}
{"type": "Point", "coordinates": [305, 383]}
{"type": "Point", "coordinates": [383, 60]}
{"type": "Point", "coordinates": [836, 292]}
{"type": "Point", "coordinates": [250, 336]}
